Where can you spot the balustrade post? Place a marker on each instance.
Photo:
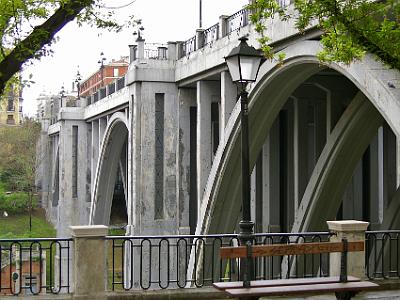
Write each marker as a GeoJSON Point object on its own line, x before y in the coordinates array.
{"type": "Point", "coordinates": [223, 26]}
{"type": "Point", "coordinates": [353, 231]}
{"type": "Point", "coordinates": [199, 39]}
{"type": "Point", "coordinates": [90, 254]}
{"type": "Point", "coordinates": [140, 48]}
{"type": "Point", "coordinates": [132, 53]}
{"type": "Point", "coordinates": [172, 51]}
{"type": "Point", "coordinates": [179, 50]}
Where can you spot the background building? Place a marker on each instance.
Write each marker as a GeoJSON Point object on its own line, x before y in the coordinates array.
{"type": "Point", "coordinates": [11, 106]}
{"type": "Point", "coordinates": [104, 76]}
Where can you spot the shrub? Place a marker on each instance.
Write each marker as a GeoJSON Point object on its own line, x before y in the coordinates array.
{"type": "Point", "coordinates": [16, 203]}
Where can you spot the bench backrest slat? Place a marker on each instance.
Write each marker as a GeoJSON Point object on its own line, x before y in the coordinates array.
{"type": "Point", "coordinates": [290, 249]}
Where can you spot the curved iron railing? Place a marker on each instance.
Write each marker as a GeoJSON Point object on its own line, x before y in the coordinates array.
{"type": "Point", "coordinates": [163, 261]}
{"type": "Point", "coordinates": [382, 254]}
{"type": "Point", "coordinates": [189, 46]}
{"type": "Point", "coordinates": [211, 34]}
{"type": "Point", "coordinates": [35, 266]}
{"type": "Point", "coordinates": [237, 20]}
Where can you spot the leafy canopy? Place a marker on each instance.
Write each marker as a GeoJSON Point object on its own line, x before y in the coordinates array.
{"type": "Point", "coordinates": [28, 28]}
{"type": "Point", "coordinates": [350, 27]}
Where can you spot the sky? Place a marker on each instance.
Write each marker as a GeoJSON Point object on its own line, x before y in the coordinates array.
{"type": "Point", "coordinates": [163, 21]}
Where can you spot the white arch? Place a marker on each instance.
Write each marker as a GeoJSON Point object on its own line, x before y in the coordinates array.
{"type": "Point", "coordinates": [116, 134]}
{"type": "Point", "coordinates": [274, 86]}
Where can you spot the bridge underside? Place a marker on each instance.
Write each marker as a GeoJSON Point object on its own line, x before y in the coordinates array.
{"type": "Point", "coordinates": [322, 147]}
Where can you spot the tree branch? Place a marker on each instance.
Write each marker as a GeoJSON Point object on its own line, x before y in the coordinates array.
{"type": "Point", "coordinates": [41, 36]}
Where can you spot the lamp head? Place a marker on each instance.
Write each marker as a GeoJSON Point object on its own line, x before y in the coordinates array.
{"type": "Point", "coordinates": [244, 62]}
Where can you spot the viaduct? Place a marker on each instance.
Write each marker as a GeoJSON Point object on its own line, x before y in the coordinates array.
{"type": "Point", "coordinates": [158, 150]}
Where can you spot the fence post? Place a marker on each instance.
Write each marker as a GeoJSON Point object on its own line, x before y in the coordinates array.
{"type": "Point", "coordinates": [199, 39]}
{"type": "Point", "coordinates": [90, 272]}
{"type": "Point", "coordinates": [223, 26]}
{"type": "Point", "coordinates": [353, 231]}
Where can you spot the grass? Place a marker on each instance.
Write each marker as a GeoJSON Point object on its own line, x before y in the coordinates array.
{"type": "Point", "coordinates": [17, 226]}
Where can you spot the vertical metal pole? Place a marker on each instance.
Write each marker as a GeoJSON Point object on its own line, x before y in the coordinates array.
{"type": "Point", "coordinates": [245, 225]}
{"type": "Point", "coordinates": [200, 14]}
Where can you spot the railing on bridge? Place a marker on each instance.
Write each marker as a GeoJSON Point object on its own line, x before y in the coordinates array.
{"type": "Point", "coordinates": [211, 34]}
{"type": "Point", "coordinates": [237, 20]}
{"type": "Point", "coordinates": [155, 51]}
{"type": "Point", "coordinates": [163, 261]}
{"type": "Point", "coordinates": [40, 266]}
{"type": "Point", "coordinates": [35, 266]}
{"type": "Point", "coordinates": [188, 46]}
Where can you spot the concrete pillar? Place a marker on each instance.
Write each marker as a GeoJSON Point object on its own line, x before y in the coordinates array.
{"type": "Point", "coordinates": [186, 99]}
{"type": "Point", "coordinates": [132, 53]}
{"type": "Point", "coordinates": [102, 130]}
{"type": "Point", "coordinates": [95, 150]}
{"type": "Point", "coordinates": [172, 50]}
{"type": "Point", "coordinates": [223, 26]}
{"type": "Point", "coordinates": [205, 93]}
{"type": "Point", "coordinates": [199, 38]}
{"type": "Point", "coordinates": [140, 48]}
{"type": "Point", "coordinates": [270, 161]}
{"type": "Point", "coordinates": [90, 254]}
{"type": "Point", "coordinates": [353, 231]}
{"type": "Point", "coordinates": [228, 101]}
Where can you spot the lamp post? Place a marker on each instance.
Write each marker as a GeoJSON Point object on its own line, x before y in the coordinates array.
{"type": "Point", "coordinates": [78, 82]}
{"type": "Point", "coordinates": [101, 62]}
{"type": "Point", "coordinates": [244, 63]}
{"type": "Point", "coordinates": [62, 95]}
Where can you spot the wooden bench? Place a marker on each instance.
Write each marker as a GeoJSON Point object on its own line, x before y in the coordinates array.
{"type": "Point", "coordinates": [344, 287]}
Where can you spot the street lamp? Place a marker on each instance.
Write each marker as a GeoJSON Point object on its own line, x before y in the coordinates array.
{"type": "Point", "coordinates": [78, 81]}
{"type": "Point", "coordinates": [101, 62]}
{"type": "Point", "coordinates": [62, 95]}
{"type": "Point", "coordinates": [244, 63]}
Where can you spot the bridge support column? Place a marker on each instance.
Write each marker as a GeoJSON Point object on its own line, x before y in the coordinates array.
{"type": "Point", "coordinates": [102, 129]}
{"type": "Point", "coordinates": [228, 101]}
{"type": "Point", "coordinates": [206, 92]}
{"type": "Point", "coordinates": [187, 203]}
{"type": "Point", "coordinates": [353, 231]}
{"type": "Point", "coordinates": [95, 149]}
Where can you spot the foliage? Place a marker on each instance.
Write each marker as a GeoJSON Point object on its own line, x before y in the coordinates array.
{"type": "Point", "coordinates": [18, 160]}
{"type": "Point", "coordinates": [350, 27]}
{"type": "Point", "coordinates": [15, 203]}
{"type": "Point", "coordinates": [28, 28]}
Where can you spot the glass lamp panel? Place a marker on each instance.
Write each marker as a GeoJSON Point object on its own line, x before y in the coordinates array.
{"type": "Point", "coordinates": [233, 66]}
{"type": "Point", "coordinates": [249, 66]}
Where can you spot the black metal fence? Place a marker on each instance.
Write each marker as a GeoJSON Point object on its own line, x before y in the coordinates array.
{"type": "Point", "coordinates": [382, 254]}
{"type": "Point", "coordinates": [35, 266]}
{"type": "Point", "coordinates": [163, 261]}
{"type": "Point", "coordinates": [211, 34]}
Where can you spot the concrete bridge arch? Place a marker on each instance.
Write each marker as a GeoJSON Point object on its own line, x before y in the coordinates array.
{"type": "Point", "coordinates": [276, 83]}
{"type": "Point", "coordinates": [111, 154]}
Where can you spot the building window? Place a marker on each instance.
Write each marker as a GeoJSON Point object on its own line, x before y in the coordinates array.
{"type": "Point", "coordinates": [10, 104]}
{"type": "Point", "coordinates": [116, 72]}
{"type": "Point", "coordinates": [159, 157]}
{"type": "Point", "coordinates": [10, 120]}
{"type": "Point", "coordinates": [74, 161]}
